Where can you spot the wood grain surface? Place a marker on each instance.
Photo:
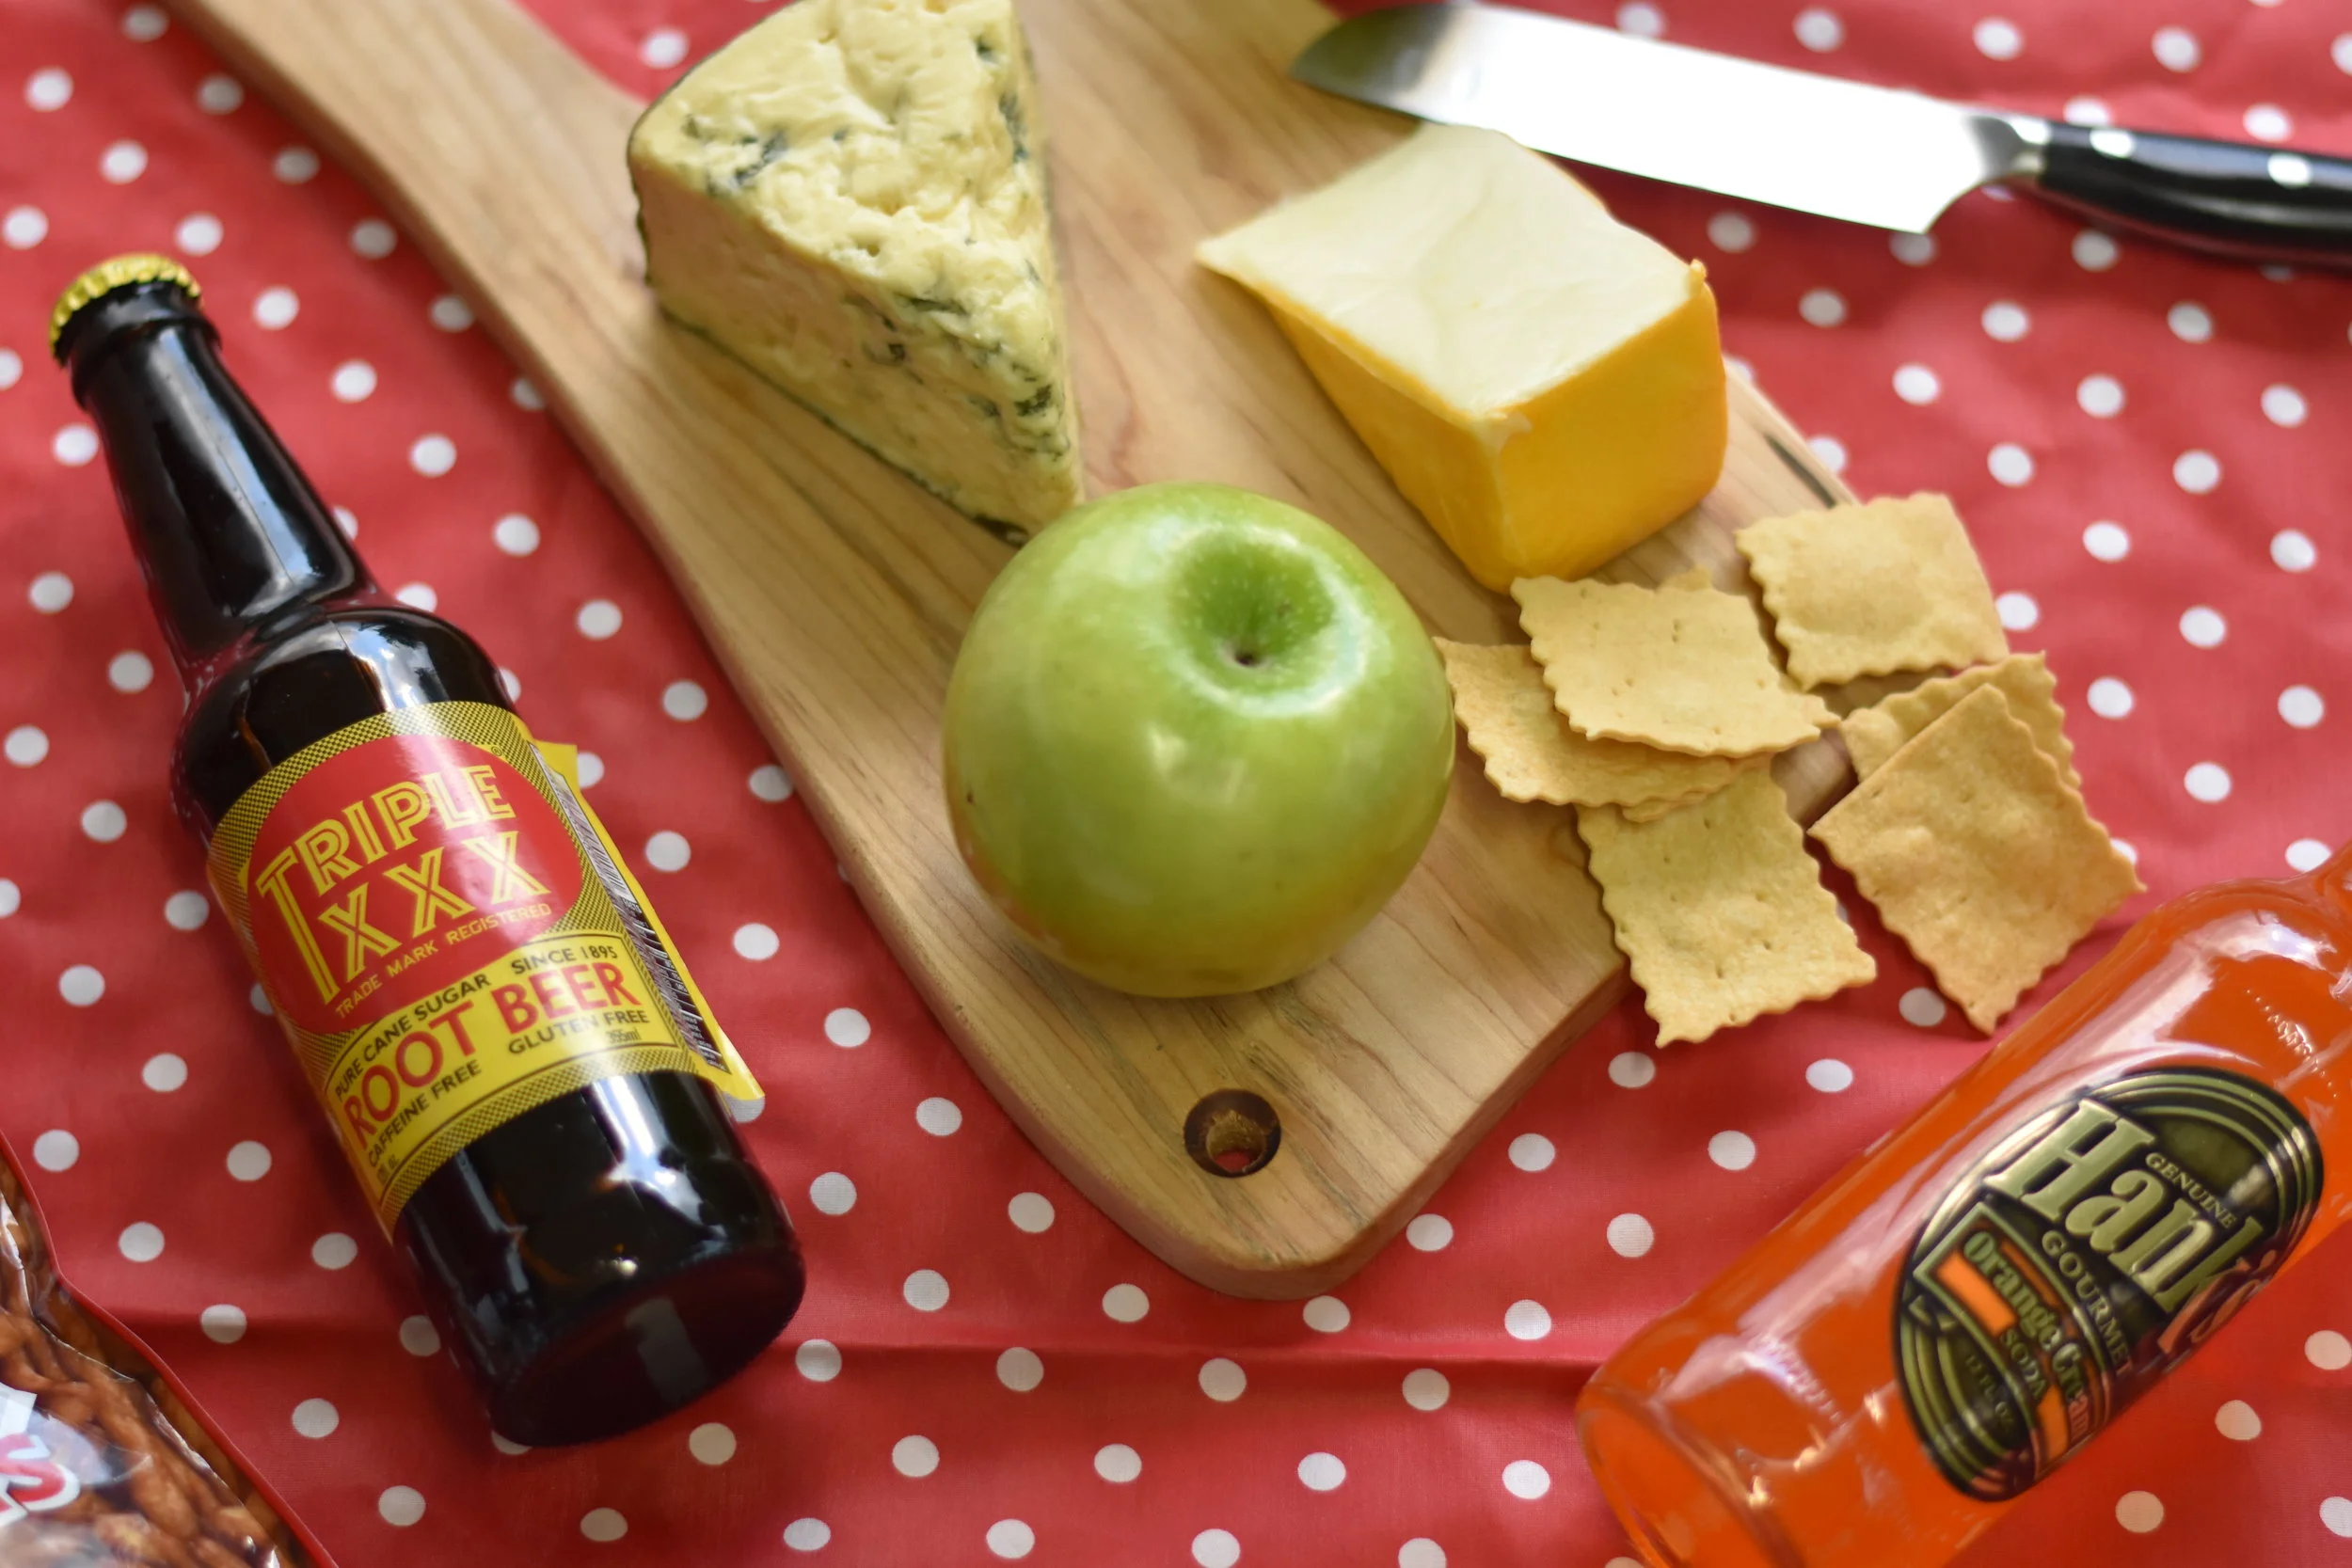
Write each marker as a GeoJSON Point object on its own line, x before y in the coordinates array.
{"type": "Point", "coordinates": [836, 591]}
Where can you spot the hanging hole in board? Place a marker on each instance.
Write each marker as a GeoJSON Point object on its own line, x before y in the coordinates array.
{"type": "Point", "coordinates": [1232, 1133]}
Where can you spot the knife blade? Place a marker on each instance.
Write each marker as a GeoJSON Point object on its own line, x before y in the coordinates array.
{"type": "Point", "coordinates": [1818, 144]}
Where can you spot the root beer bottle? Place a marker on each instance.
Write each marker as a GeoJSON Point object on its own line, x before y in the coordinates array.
{"type": "Point", "coordinates": [516, 1068]}
{"type": "Point", "coordinates": [1995, 1282]}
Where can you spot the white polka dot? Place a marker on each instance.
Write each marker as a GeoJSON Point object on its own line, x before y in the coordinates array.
{"type": "Point", "coordinates": [1032, 1212]}
{"type": "Point", "coordinates": [1641, 18]}
{"type": "Point", "coordinates": [24, 228]}
{"type": "Point", "coordinates": [2269, 123]}
{"type": "Point", "coordinates": [926, 1289]}
{"type": "Point", "coordinates": [334, 1250]}
{"type": "Point", "coordinates": [2010, 463]}
{"type": "Point", "coordinates": [1738, 367]}
{"type": "Point", "coordinates": [166, 1072]}
{"type": "Point", "coordinates": [684, 701]}
{"type": "Point", "coordinates": [11, 367]}
{"type": "Point", "coordinates": [2018, 611]}
{"type": "Point", "coordinates": [939, 1117]}
{"type": "Point", "coordinates": [2189, 321]}
{"type": "Point", "coordinates": [140, 1242]}
{"type": "Point", "coordinates": [432, 456]}
{"type": "Point", "coordinates": [11, 897]}
{"type": "Point", "coordinates": [2110, 698]}
{"type": "Point", "coordinates": [1125, 1304]}
{"type": "Point", "coordinates": [833, 1193]}
{"type": "Point", "coordinates": [418, 1335]}
{"type": "Point", "coordinates": [2328, 1350]}
{"type": "Point", "coordinates": [2292, 551]}
{"type": "Point", "coordinates": [668, 851]}
{"type": "Point", "coordinates": [1322, 1472]}
{"type": "Point", "coordinates": [74, 445]}
{"type": "Point", "coordinates": [400, 1506]}
{"type": "Point", "coordinates": [373, 238]}
{"type": "Point", "coordinates": [1820, 30]}
{"type": "Point", "coordinates": [770, 782]}
{"type": "Point", "coordinates": [590, 768]}
{"type": "Point", "coordinates": [1325, 1314]}
{"type": "Point", "coordinates": [1916, 385]}
{"type": "Point", "coordinates": [817, 1360]}
{"type": "Point", "coordinates": [344, 520]}
{"type": "Point", "coordinates": [418, 595]}
{"type": "Point", "coordinates": [1997, 39]}
{"type": "Point", "coordinates": [1922, 1007]}
{"type": "Point", "coordinates": [1526, 1319]}
{"type": "Point", "coordinates": [526, 394]}
{"type": "Point", "coordinates": [1913, 250]}
{"type": "Point", "coordinates": [2208, 781]}
{"type": "Point", "coordinates": [510, 683]}
{"type": "Point", "coordinates": [354, 379]}
{"type": "Point", "coordinates": [2095, 251]}
{"type": "Point", "coordinates": [1532, 1152]}
{"type": "Point", "coordinates": [186, 910]}
{"type": "Point", "coordinates": [2301, 706]}
{"type": "Point", "coordinates": [2101, 396]}
{"type": "Point", "coordinates": [1421, 1552]}
{"type": "Point", "coordinates": [2140, 1512]}
{"type": "Point", "coordinates": [121, 162]}
{"type": "Point", "coordinates": [275, 308]}
{"type": "Point", "coordinates": [1117, 1464]}
{"type": "Point", "coordinates": [1428, 1388]}
{"type": "Point", "coordinates": [316, 1418]}
{"type": "Point", "coordinates": [56, 1149]}
{"type": "Point", "coordinates": [1731, 232]}
{"type": "Point", "coordinates": [1632, 1070]}
{"type": "Point", "coordinates": [144, 24]}
{"type": "Point", "coordinates": [2177, 49]}
{"type": "Point", "coordinates": [1732, 1150]}
{"type": "Point", "coordinates": [222, 1323]}
{"type": "Point", "coordinates": [2004, 321]}
{"type": "Point", "coordinates": [1019, 1370]}
{"type": "Point", "coordinates": [80, 986]}
{"type": "Point", "coordinates": [603, 1524]}
{"type": "Point", "coordinates": [1222, 1380]}
{"type": "Point", "coordinates": [847, 1026]}
{"type": "Point", "coordinates": [807, 1535]}
{"type": "Point", "coordinates": [218, 94]}
{"type": "Point", "coordinates": [27, 745]}
{"type": "Point", "coordinates": [1216, 1548]}
{"type": "Point", "coordinates": [103, 821]}
{"type": "Point", "coordinates": [1630, 1236]}
{"type": "Point", "coordinates": [914, 1456]}
{"type": "Point", "coordinates": [2238, 1421]}
{"type": "Point", "coordinates": [516, 534]}
{"type": "Point", "coordinates": [1830, 449]}
{"type": "Point", "coordinates": [756, 941]}
{"type": "Point", "coordinates": [2285, 407]}
{"type": "Point", "coordinates": [47, 89]}
{"type": "Point", "coordinates": [451, 314]}
{"type": "Point", "coordinates": [598, 619]}
{"type": "Point", "coordinates": [2196, 471]}
{"type": "Point", "coordinates": [294, 166]}
{"type": "Point", "coordinates": [2087, 111]}
{"type": "Point", "coordinates": [2203, 626]}
{"type": "Point", "coordinates": [662, 48]}
{"type": "Point", "coordinates": [2107, 541]}
{"type": "Point", "coordinates": [1011, 1538]}
{"type": "Point", "coordinates": [257, 1000]}
{"type": "Point", "coordinates": [2341, 52]}
{"type": "Point", "coordinates": [1822, 307]}
{"type": "Point", "coordinates": [1429, 1232]}
{"type": "Point", "coordinates": [2307, 854]}
{"type": "Point", "coordinates": [1525, 1479]}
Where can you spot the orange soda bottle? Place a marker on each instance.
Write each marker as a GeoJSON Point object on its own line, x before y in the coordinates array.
{"type": "Point", "coordinates": [1988, 1288]}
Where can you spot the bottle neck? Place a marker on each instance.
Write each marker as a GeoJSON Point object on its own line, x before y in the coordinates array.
{"type": "Point", "coordinates": [232, 541]}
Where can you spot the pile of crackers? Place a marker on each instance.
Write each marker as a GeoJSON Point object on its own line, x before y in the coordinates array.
{"type": "Point", "coordinates": [1656, 713]}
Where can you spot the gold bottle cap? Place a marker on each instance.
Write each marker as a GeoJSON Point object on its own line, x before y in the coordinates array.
{"type": "Point", "coordinates": [118, 272]}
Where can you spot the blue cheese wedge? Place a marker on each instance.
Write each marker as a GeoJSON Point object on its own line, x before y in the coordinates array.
{"type": "Point", "coordinates": [851, 199]}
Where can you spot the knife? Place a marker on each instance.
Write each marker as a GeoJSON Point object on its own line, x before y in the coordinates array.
{"type": "Point", "coordinates": [1844, 149]}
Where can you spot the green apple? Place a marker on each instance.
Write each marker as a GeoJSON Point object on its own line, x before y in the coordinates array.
{"type": "Point", "coordinates": [1194, 740]}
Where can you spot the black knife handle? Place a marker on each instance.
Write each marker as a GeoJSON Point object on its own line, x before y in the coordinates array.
{"type": "Point", "coordinates": [2256, 203]}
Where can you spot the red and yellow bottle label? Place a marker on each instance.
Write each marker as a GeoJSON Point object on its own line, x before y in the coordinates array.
{"type": "Point", "coordinates": [449, 938]}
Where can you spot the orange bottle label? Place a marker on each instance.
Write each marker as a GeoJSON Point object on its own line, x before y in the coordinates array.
{"type": "Point", "coordinates": [448, 939]}
{"type": "Point", "coordinates": [2086, 1255]}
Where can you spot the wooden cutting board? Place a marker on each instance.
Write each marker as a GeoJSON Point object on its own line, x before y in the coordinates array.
{"type": "Point", "coordinates": [836, 591]}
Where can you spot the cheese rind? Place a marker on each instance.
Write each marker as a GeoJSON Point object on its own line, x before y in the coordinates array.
{"type": "Point", "coordinates": [1545, 384]}
{"type": "Point", "coordinates": [851, 199]}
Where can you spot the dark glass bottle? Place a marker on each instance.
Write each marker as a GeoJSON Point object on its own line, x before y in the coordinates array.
{"type": "Point", "coordinates": [604, 1256]}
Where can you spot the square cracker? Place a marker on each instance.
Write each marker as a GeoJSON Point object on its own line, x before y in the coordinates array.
{"type": "Point", "coordinates": [1979, 855]}
{"type": "Point", "coordinates": [1720, 910]}
{"type": "Point", "coordinates": [1873, 588]}
{"type": "Point", "coordinates": [1531, 753]}
{"type": "Point", "coordinates": [1683, 669]}
{"type": "Point", "coordinates": [1874, 734]}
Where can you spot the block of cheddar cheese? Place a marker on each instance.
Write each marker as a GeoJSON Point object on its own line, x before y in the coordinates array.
{"type": "Point", "coordinates": [1543, 383]}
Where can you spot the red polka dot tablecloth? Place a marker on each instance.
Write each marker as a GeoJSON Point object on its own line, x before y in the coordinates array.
{"type": "Point", "coordinates": [2149, 448]}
